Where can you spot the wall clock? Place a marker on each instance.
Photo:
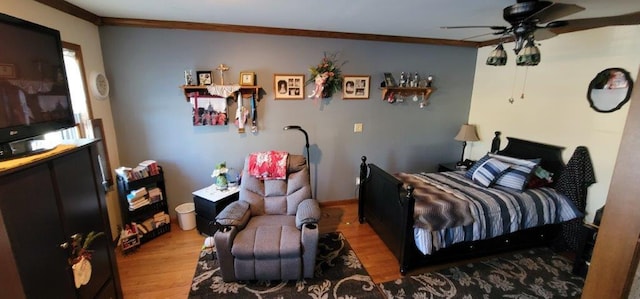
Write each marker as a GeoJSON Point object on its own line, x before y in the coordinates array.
{"type": "Point", "coordinates": [99, 85]}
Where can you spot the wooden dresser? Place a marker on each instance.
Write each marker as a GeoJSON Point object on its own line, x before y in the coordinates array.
{"type": "Point", "coordinates": [43, 202]}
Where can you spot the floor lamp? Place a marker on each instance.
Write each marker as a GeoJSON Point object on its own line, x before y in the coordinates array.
{"type": "Point", "coordinates": [466, 133]}
{"type": "Point", "coordinates": [306, 144]}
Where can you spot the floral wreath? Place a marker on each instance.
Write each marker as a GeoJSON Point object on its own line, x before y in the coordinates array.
{"type": "Point", "coordinates": [326, 76]}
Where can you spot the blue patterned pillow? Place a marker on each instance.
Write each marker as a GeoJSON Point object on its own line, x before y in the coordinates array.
{"type": "Point", "coordinates": [488, 172]}
{"type": "Point", "coordinates": [469, 173]}
{"type": "Point", "coordinates": [517, 176]}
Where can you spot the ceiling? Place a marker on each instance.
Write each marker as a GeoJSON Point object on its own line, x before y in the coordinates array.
{"type": "Point", "coordinates": [404, 18]}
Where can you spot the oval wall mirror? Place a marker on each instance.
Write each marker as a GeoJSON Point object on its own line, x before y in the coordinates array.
{"type": "Point", "coordinates": [610, 90]}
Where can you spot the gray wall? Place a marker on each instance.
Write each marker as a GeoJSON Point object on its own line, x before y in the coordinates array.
{"type": "Point", "coordinates": [153, 120]}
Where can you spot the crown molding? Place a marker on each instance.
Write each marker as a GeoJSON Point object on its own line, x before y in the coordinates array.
{"type": "Point", "coordinates": [76, 11]}
{"type": "Point", "coordinates": [280, 31]}
{"type": "Point", "coordinates": [73, 10]}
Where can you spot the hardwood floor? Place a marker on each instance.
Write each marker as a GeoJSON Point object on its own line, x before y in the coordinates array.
{"type": "Point", "coordinates": [164, 267]}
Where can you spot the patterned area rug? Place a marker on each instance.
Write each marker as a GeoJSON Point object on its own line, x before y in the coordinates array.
{"type": "Point", "coordinates": [338, 274]}
{"type": "Point", "coordinates": [535, 273]}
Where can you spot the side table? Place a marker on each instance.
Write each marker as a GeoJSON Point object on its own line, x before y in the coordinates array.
{"type": "Point", "coordinates": [588, 235]}
{"type": "Point", "coordinates": [208, 203]}
{"type": "Point", "coordinates": [450, 167]}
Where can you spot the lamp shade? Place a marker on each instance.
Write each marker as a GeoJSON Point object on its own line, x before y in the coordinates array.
{"type": "Point", "coordinates": [530, 55]}
{"type": "Point", "coordinates": [498, 56]}
{"type": "Point", "coordinates": [467, 133]}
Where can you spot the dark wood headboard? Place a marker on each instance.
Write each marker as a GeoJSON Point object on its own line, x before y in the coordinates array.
{"type": "Point", "coordinates": [551, 155]}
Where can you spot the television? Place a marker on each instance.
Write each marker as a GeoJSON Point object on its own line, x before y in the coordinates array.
{"type": "Point", "coordinates": [34, 92]}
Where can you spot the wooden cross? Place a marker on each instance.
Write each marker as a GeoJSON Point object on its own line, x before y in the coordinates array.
{"type": "Point", "coordinates": [222, 68]}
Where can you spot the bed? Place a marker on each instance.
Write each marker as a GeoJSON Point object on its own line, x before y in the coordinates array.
{"type": "Point", "coordinates": [387, 202]}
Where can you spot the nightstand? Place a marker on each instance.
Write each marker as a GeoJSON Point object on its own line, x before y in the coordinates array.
{"type": "Point", "coordinates": [588, 234]}
{"type": "Point", "coordinates": [208, 203]}
{"type": "Point", "coordinates": [450, 167]}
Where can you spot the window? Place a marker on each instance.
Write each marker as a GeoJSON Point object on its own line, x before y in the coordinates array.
{"type": "Point", "coordinates": [79, 100]}
{"type": "Point", "coordinates": [86, 126]}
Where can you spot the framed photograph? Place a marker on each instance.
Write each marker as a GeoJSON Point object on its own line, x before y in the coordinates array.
{"type": "Point", "coordinates": [389, 81]}
{"type": "Point", "coordinates": [288, 87]}
{"type": "Point", "coordinates": [7, 71]}
{"type": "Point", "coordinates": [356, 87]}
{"type": "Point", "coordinates": [204, 77]}
{"type": "Point", "coordinates": [247, 78]}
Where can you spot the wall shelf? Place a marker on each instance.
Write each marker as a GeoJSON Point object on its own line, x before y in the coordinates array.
{"type": "Point", "coordinates": [191, 90]}
{"type": "Point", "coordinates": [426, 91]}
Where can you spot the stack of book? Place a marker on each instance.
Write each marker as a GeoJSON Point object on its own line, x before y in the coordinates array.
{"type": "Point", "coordinates": [139, 198]}
{"type": "Point", "coordinates": [151, 166]}
{"type": "Point", "coordinates": [144, 169]}
{"type": "Point", "coordinates": [158, 219]}
{"type": "Point", "coordinates": [155, 195]}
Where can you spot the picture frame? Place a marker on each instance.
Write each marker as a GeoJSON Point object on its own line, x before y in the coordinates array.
{"type": "Point", "coordinates": [356, 87]}
{"type": "Point", "coordinates": [247, 79]}
{"type": "Point", "coordinates": [7, 71]}
{"type": "Point", "coordinates": [204, 77]}
{"type": "Point", "coordinates": [389, 81]}
{"type": "Point", "coordinates": [288, 86]}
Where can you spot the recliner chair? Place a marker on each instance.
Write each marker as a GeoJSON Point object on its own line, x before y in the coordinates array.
{"type": "Point", "coordinates": [271, 232]}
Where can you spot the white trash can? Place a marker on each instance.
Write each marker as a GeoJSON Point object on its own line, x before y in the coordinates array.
{"type": "Point", "coordinates": [186, 216]}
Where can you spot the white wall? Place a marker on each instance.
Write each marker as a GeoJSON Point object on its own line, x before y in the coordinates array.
{"type": "Point", "coordinates": [85, 34]}
{"type": "Point", "coordinates": [555, 109]}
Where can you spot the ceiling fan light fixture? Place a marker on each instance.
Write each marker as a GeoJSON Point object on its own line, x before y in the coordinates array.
{"type": "Point", "coordinates": [498, 56]}
{"type": "Point", "coordinates": [518, 42]}
{"type": "Point", "coordinates": [530, 55]}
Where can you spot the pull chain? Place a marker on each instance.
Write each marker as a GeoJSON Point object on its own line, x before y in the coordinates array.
{"type": "Point", "coordinates": [524, 83]}
{"type": "Point", "coordinates": [513, 88]}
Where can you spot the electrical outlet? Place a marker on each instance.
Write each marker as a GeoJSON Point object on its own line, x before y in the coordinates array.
{"type": "Point", "coordinates": [357, 181]}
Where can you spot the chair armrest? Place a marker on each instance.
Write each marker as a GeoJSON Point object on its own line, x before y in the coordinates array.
{"type": "Point", "coordinates": [309, 240]}
{"type": "Point", "coordinates": [223, 240]}
{"type": "Point", "coordinates": [308, 212]}
{"type": "Point", "coordinates": [235, 214]}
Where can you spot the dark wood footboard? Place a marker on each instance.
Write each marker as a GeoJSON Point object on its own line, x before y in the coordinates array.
{"type": "Point", "coordinates": [388, 207]}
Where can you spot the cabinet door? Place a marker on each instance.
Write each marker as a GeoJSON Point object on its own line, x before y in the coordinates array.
{"type": "Point", "coordinates": [81, 213]}
{"type": "Point", "coordinates": [32, 223]}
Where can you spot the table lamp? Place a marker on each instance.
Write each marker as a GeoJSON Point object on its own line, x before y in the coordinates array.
{"type": "Point", "coordinates": [467, 133]}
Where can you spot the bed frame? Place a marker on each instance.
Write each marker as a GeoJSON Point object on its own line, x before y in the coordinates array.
{"type": "Point", "coordinates": [389, 208]}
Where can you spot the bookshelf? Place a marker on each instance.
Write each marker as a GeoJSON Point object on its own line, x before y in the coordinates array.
{"type": "Point", "coordinates": [143, 203]}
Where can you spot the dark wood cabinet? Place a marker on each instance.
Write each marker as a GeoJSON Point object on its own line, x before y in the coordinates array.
{"type": "Point", "coordinates": [208, 203]}
{"type": "Point", "coordinates": [42, 205]}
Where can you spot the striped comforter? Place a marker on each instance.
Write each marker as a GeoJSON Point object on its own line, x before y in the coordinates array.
{"type": "Point", "coordinates": [495, 210]}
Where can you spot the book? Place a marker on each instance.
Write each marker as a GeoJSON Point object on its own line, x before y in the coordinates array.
{"type": "Point", "coordinates": [155, 195]}
{"type": "Point", "coordinates": [151, 166]}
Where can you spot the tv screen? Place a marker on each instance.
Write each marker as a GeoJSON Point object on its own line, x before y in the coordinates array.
{"type": "Point", "coordinates": [34, 94]}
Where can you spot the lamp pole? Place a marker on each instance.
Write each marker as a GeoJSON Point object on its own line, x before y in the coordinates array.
{"type": "Point", "coordinates": [306, 144]}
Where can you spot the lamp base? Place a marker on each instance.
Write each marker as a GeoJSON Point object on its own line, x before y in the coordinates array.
{"type": "Point", "coordinates": [461, 165]}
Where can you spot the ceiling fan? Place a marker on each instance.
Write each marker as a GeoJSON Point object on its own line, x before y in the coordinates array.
{"type": "Point", "coordinates": [526, 17]}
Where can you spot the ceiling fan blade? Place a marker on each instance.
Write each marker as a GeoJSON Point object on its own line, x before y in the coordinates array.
{"type": "Point", "coordinates": [461, 27]}
{"type": "Point", "coordinates": [591, 23]}
{"type": "Point", "coordinates": [543, 33]}
{"type": "Point", "coordinates": [481, 35]}
{"type": "Point", "coordinates": [554, 11]}
{"type": "Point", "coordinates": [556, 24]}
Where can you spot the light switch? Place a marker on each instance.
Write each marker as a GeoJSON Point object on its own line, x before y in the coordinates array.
{"type": "Point", "coordinates": [357, 127]}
